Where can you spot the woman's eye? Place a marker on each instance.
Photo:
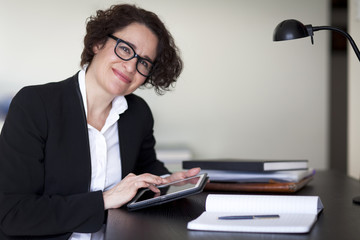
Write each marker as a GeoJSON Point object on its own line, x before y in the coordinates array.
{"type": "Point", "coordinates": [144, 63]}
{"type": "Point", "coordinates": [125, 49]}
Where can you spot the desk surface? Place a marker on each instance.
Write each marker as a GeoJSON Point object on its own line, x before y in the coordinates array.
{"type": "Point", "coordinates": [339, 220]}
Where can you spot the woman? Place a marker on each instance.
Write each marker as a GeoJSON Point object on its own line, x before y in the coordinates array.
{"type": "Point", "coordinates": [73, 149]}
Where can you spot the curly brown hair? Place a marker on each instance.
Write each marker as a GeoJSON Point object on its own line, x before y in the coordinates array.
{"type": "Point", "coordinates": [168, 64]}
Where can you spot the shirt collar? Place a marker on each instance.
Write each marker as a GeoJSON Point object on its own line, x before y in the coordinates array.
{"type": "Point", "coordinates": [119, 103]}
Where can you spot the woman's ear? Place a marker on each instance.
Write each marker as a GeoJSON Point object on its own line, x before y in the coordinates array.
{"type": "Point", "coordinates": [97, 47]}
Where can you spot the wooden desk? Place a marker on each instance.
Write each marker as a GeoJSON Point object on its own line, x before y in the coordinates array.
{"type": "Point", "coordinates": [340, 218]}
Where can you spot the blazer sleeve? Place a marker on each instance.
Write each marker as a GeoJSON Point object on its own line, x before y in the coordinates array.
{"type": "Point", "coordinates": [25, 210]}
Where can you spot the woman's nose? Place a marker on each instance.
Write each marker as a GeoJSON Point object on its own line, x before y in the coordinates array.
{"type": "Point", "coordinates": [131, 65]}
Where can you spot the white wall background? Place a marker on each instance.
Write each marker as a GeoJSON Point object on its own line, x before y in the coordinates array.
{"type": "Point", "coordinates": [241, 95]}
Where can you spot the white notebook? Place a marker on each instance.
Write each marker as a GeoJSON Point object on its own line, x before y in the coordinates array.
{"type": "Point", "coordinates": [296, 214]}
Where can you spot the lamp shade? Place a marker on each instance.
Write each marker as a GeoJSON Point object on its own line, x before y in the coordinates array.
{"type": "Point", "coordinates": [290, 29]}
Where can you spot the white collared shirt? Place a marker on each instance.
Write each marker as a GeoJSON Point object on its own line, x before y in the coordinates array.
{"type": "Point", "coordinates": [104, 152]}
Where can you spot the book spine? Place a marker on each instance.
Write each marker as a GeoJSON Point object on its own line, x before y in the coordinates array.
{"type": "Point", "coordinates": [226, 166]}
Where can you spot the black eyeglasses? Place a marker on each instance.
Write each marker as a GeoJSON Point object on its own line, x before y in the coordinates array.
{"type": "Point", "coordinates": [125, 52]}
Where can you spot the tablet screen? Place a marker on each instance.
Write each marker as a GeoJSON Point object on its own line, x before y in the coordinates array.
{"type": "Point", "coordinates": [171, 188]}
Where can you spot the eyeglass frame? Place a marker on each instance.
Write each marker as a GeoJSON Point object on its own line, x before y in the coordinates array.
{"type": "Point", "coordinates": [118, 41]}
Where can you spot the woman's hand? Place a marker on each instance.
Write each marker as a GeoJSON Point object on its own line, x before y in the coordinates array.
{"type": "Point", "coordinates": [125, 190]}
{"type": "Point", "coordinates": [183, 174]}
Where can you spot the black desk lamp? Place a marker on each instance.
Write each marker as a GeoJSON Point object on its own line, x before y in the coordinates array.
{"type": "Point", "coordinates": [293, 29]}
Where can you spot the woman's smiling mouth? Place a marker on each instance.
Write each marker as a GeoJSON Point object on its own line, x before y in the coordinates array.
{"type": "Point", "coordinates": [121, 76]}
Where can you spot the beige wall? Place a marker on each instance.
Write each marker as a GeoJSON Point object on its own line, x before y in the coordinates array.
{"type": "Point", "coordinates": [354, 92]}
{"type": "Point", "coordinates": [240, 95]}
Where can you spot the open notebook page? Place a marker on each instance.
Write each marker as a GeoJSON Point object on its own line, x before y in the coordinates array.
{"type": "Point", "coordinates": [263, 204]}
{"type": "Point", "coordinates": [297, 213]}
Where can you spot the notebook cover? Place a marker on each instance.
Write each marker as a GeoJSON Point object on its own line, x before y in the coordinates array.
{"type": "Point", "coordinates": [272, 186]}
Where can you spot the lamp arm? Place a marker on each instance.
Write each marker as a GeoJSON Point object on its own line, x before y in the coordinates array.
{"type": "Point", "coordinates": [353, 44]}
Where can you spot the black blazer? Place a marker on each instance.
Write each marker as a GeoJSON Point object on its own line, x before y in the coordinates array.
{"type": "Point", "coordinates": [45, 166]}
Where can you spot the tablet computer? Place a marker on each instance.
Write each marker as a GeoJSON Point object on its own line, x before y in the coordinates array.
{"type": "Point", "coordinates": [168, 192]}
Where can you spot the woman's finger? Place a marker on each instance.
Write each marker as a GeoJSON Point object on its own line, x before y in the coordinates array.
{"type": "Point", "coordinates": [153, 188]}
{"type": "Point", "coordinates": [152, 179]}
{"type": "Point", "coordinates": [192, 172]}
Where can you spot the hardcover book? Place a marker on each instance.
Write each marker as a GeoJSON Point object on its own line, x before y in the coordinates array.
{"type": "Point", "coordinates": [247, 165]}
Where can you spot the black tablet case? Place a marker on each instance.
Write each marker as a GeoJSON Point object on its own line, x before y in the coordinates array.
{"type": "Point", "coordinates": [167, 198]}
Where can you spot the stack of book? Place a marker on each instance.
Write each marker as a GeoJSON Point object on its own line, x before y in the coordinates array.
{"type": "Point", "coordinates": [254, 175]}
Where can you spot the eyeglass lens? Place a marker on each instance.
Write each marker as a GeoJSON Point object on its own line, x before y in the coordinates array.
{"type": "Point", "coordinates": [126, 52]}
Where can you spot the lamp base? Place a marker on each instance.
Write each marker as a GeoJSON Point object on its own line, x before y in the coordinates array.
{"type": "Point", "coordinates": [356, 200]}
